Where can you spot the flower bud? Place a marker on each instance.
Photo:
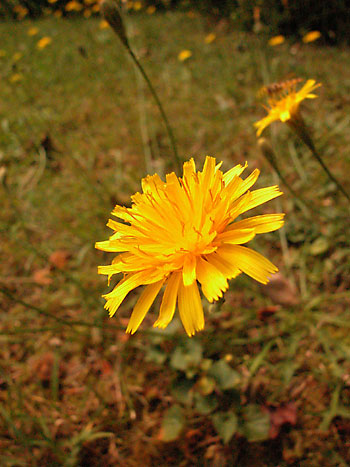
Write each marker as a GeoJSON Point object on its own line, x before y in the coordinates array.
{"type": "Point", "coordinates": [111, 12]}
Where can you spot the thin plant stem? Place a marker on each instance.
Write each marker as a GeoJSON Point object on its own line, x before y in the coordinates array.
{"type": "Point", "coordinates": [300, 129]}
{"type": "Point", "coordinates": [159, 104]}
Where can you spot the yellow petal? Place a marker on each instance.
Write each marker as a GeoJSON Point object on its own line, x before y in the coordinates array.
{"type": "Point", "coordinates": [226, 268]}
{"type": "Point", "coordinates": [189, 270]}
{"type": "Point", "coordinates": [143, 305]}
{"type": "Point", "coordinates": [234, 172]}
{"type": "Point", "coordinates": [260, 196]}
{"type": "Point", "coordinates": [212, 280]}
{"type": "Point", "coordinates": [261, 224]}
{"type": "Point", "coordinates": [249, 261]}
{"type": "Point", "coordinates": [237, 236]}
{"type": "Point", "coordinates": [167, 308]}
{"type": "Point", "coordinates": [190, 308]}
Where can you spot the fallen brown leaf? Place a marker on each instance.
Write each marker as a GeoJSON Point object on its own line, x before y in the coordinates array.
{"type": "Point", "coordinates": [42, 276]}
{"type": "Point", "coordinates": [281, 291]}
{"type": "Point", "coordinates": [59, 259]}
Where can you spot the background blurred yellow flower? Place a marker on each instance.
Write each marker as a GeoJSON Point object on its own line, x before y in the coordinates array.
{"type": "Point", "coordinates": [151, 9]}
{"type": "Point", "coordinates": [137, 6]}
{"type": "Point", "coordinates": [33, 31]}
{"type": "Point", "coordinates": [184, 55]}
{"type": "Point", "coordinates": [311, 36]}
{"type": "Point", "coordinates": [103, 24]}
{"type": "Point", "coordinates": [44, 42]}
{"type": "Point", "coordinates": [73, 6]}
{"type": "Point", "coordinates": [276, 40]}
{"type": "Point", "coordinates": [210, 38]}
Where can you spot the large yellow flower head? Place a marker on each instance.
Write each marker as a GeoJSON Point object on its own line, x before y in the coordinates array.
{"type": "Point", "coordinates": [283, 101]}
{"type": "Point", "coordinates": [181, 232]}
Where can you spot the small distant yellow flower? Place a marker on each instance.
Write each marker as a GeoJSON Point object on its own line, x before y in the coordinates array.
{"type": "Point", "coordinates": [104, 24]}
{"type": "Point", "coordinates": [33, 31]}
{"type": "Point", "coordinates": [184, 55]}
{"type": "Point", "coordinates": [96, 8]}
{"type": "Point", "coordinates": [284, 100]}
{"type": "Point", "coordinates": [276, 40]}
{"type": "Point", "coordinates": [73, 6]}
{"type": "Point", "coordinates": [16, 77]}
{"type": "Point", "coordinates": [52, 1]}
{"type": "Point", "coordinates": [44, 42]}
{"type": "Point", "coordinates": [182, 232]}
{"type": "Point", "coordinates": [151, 9]}
{"type": "Point", "coordinates": [17, 56]}
{"type": "Point", "coordinates": [21, 11]}
{"type": "Point", "coordinates": [311, 36]}
{"type": "Point", "coordinates": [137, 6]}
{"type": "Point", "coordinates": [87, 13]}
{"type": "Point", "coordinates": [210, 38]}
{"type": "Point", "coordinates": [58, 14]}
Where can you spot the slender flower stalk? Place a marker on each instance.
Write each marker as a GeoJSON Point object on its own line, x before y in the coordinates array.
{"type": "Point", "coordinates": [283, 105]}
{"type": "Point", "coordinates": [182, 232]}
{"type": "Point", "coordinates": [112, 15]}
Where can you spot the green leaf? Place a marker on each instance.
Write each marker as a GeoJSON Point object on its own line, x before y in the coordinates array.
{"type": "Point", "coordinates": [187, 355]}
{"type": "Point", "coordinates": [319, 246]}
{"type": "Point", "coordinates": [156, 355]}
{"type": "Point", "coordinates": [256, 425]}
{"type": "Point", "coordinates": [173, 423]}
{"type": "Point", "coordinates": [205, 404]}
{"type": "Point", "coordinates": [225, 423]}
{"type": "Point", "coordinates": [224, 375]}
{"type": "Point", "coordinates": [182, 390]}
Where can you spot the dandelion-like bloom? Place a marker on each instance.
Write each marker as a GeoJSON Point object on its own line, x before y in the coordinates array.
{"type": "Point", "coordinates": [283, 102]}
{"type": "Point", "coordinates": [43, 42]}
{"type": "Point", "coordinates": [181, 232]}
{"type": "Point", "coordinates": [311, 37]}
{"type": "Point", "coordinates": [276, 40]}
{"type": "Point", "coordinates": [184, 55]}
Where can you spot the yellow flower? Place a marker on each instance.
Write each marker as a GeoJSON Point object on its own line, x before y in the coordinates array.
{"type": "Point", "coordinates": [276, 40]}
{"type": "Point", "coordinates": [184, 55]}
{"type": "Point", "coordinates": [182, 231]}
{"type": "Point", "coordinates": [87, 13]}
{"type": "Point", "coordinates": [58, 14]}
{"type": "Point", "coordinates": [284, 100]}
{"type": "Point", "coordinates": [73, 6]}
{"type": "Point", "coordinates": [32, 31]}
{"type": "Point", "coordinates": [52, 1]}
{"type": "Point", "coordinates": [311, 36]}
{"type": "Point", "coordinates": [44, 42]}
{"type": "Point", "coordinates": [151, 9]}
{"type": "Point", "coordinates": [103, 24]}
{"type": "Point", "coordinates": [210, 38]}
{"type": "Point", "coordinates": [96, 8]}
{"type": "Point", "coordinates": [137, 6]}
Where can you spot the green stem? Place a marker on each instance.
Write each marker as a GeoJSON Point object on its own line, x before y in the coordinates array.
{"type": "Point", "coordinates": [159, 104]}
{"type": "Point", "coordinates": [300, 128]}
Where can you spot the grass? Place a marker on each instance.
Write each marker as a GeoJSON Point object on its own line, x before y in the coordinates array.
{"type": "Point", "coordinates": [78, 132]}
